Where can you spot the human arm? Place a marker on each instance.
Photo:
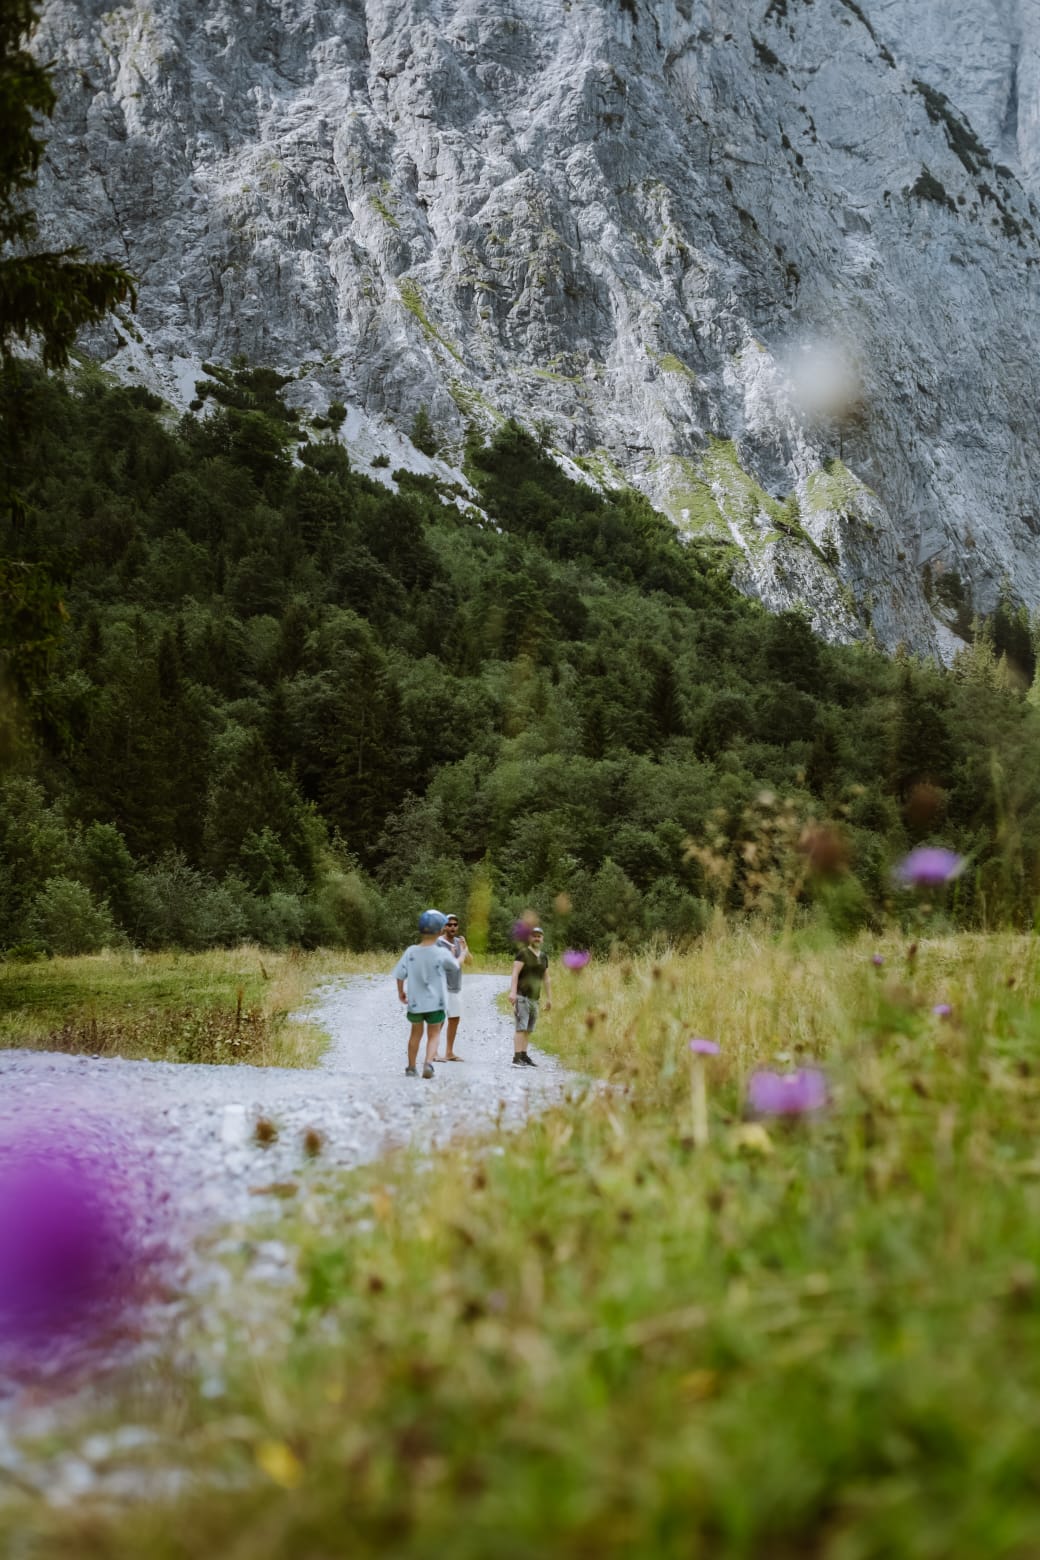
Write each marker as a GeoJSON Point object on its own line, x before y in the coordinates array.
{"type": "Point", "coordinates": [401, 975]}
{"type": "Point", "coordinates": [548, 990]}
{"type": "Point", "coordinates": [464, 952]}
{"type": "Point", "coordinates": [518, 965]}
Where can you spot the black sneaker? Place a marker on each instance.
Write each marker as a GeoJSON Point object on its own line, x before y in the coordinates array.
{"type": "Point", "coordinates": [518, 1059]}
{"type": "Point", "coordinates": [427, 1071]}
{"type": "Point", "coordinates": [411, 1072]}
{"type": "Point", "coordinates": [526, 1059]}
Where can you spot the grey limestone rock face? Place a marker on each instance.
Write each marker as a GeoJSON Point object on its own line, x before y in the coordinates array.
{"type": "Point", "coordinates": [985, 58]}
{"type": "Point", "coordinates": [748, 255]}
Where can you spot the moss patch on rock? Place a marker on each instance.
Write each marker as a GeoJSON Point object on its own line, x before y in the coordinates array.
{"type": "Point", "coordinates": [412, 299]}
{"type": "Point", "coordinates": [834, 489]}
{"type": "Point", "coordinates": [668, 363]}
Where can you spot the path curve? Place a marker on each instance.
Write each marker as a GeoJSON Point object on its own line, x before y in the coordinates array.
{"type": "Point", "coordinates": [192, 1123]}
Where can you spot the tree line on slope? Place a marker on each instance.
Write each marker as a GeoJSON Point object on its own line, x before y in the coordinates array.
{"type": "Point", "coordinates": [292, 704]}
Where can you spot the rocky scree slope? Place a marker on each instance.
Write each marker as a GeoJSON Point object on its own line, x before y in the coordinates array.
{"type": "Point", "coordinates": [746, 256]}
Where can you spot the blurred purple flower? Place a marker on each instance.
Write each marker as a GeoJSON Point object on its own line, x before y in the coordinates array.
{"type": "Point", "coordinates": [942, 1010]}
{"type": "Point", "coordinates": [69, 1257]}
{"type": "Point", "coordinates": [877, 961]}
{"type": "Point", "coordinates": [787, 1094]}
{"type": "Point", "coordinates": [929, 866]}
{"type": "Point", "coordinates": [576, 958]}
{"type": "Point", "coordinates": [704, 1047]}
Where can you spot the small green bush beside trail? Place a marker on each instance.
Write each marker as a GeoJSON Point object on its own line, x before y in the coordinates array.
{"type": "Point", "coordinates": [291, 705]}
{"type": "Point", "coordinates": [813, 1338]}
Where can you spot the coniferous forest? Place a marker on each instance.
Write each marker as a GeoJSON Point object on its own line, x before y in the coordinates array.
{"type": "Point", "coordinates": [288, 703]}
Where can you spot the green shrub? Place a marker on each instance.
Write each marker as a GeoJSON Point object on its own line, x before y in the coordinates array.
{"type": "Point", "coordinates": [422, 434]}
{"type": "Point", "coordinates": [175, 905]}
{"type": "Point", "coordinates": [343, 911]}
{"type": "Point", "coordinates": [277, 920]}
{"type": "Point", "coordinates": [67, 919]}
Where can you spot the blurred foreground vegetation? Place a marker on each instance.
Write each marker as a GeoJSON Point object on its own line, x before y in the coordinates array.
{"type": "Point", "coordinates": [819, 1337]}
{"type": "Point", "coordinates": [291, 705]}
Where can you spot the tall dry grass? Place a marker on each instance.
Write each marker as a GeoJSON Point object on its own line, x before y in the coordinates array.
{"type": "Point", "coordinates": [227, 1005]}
{"type": "Point", "coordinates": [766, 999]}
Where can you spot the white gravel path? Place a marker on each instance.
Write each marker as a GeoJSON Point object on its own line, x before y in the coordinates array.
{"type": "Point", "coordinates": [188, 1131]}
{"type": "Point", "coordinates": [192, 1125]}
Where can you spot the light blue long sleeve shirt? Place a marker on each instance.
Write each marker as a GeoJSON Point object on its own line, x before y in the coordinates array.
{"type": "Point", "coordinates": [424, 969]}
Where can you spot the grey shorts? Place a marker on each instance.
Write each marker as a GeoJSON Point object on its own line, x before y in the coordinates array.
{"type": "Point", "coordinates": [526, 1014]}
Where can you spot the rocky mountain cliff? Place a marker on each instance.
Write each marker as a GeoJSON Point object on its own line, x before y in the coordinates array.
{"type": "Point", "coordinates": [772, 261]}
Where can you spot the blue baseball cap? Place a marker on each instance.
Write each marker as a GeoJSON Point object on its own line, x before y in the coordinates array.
{"type": "Point", "coordinates": [432, 921]}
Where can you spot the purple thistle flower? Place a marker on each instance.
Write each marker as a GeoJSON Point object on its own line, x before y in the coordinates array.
{"type": "Point", "coordinates": [877, 961]}
{"type": "Point", "coordinates": [704, 1047]}
{"type": "Point", "coordinates": [942, 1010]}
{"type": "Point", "coordinates": [69, 1243]}
{"type": "Point", "coordinates": [787, 1094]}
{"type": "Point", "coordinates": [930, 866]}
{"type": "Point", "coordinates": [576, 958]}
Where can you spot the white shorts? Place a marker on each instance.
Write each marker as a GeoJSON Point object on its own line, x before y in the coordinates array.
{"type": "Point", "coordinates": [454, 1008]}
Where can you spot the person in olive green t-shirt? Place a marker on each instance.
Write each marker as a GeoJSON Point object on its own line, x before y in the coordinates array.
{"type": "Point", "coordinates": [530, 973]}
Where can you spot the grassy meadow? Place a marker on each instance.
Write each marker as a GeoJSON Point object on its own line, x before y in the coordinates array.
{"type": "Point", "coordinates": [231, 1005]}
{"type": "Point", "coordinates": [813, 1337]}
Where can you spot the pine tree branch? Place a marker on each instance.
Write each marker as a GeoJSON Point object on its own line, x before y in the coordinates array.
{"type": "Point", "coordinates": [46, 299]}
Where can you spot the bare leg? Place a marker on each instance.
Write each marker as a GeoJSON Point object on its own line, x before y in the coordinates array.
{"type": "Point", "coordinates": [414, 1036]}
{"type": "Point", "coordinates": [520, 1042]}
{"type": "Point", "coordinates": [433, 1034]}
{"type": "Point", "coordinates": [453, 1025]}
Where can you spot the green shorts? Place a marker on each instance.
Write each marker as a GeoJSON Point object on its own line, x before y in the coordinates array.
{"type": "Point", "coordinates": [427, 1018]}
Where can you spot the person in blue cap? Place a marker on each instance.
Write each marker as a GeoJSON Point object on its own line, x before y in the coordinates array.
{"type": "Point", "coordinates": [422, 985]}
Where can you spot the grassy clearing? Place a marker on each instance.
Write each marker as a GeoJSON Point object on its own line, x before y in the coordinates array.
{"type": "Point", "coordinates": [224, 1006]}
{"type": "Point", "coordinates": [812, 1339]}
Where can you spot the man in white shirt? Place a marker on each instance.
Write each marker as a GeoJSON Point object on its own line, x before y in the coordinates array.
{"type": "Point", "coordinates": [452, 939]}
